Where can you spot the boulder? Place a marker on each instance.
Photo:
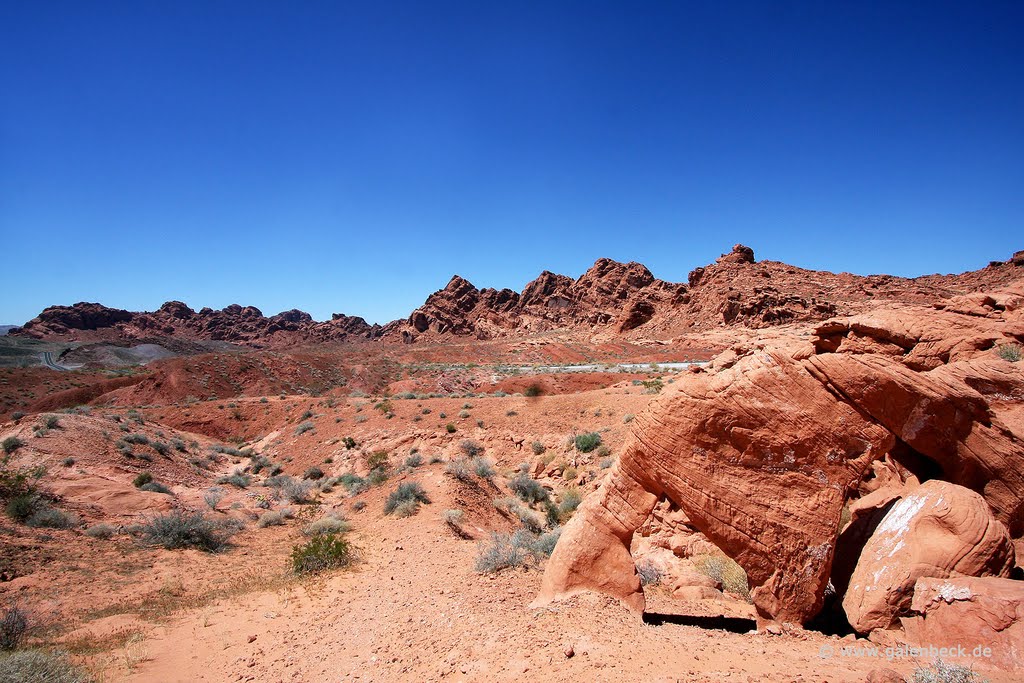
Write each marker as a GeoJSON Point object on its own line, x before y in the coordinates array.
{"type": "Point", "coordinates": [762, 455]}
{"type": "Point", "coordinates": [983, 616]}
{"type": "Point", "coordinates": [937, 530]}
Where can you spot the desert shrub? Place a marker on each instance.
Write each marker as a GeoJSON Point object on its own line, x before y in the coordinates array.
{"type": "Point", "coordinates": [349, 443]}
{"type": "Point", "coordinates": [51, 422]}
{"type": "Point", "coordinates": [22, 506]}
{"type": "Point", "coordinates": [450, 428]}
{"type": "Point", "coordinates": [359, 505]}
{"type": "Point", "coordinates": [483, 468]}
{"type": "Point", "coordinates": [321, 552]}
{"type": "Point", "coordinates": [50, 518]}
{"type": "Point", "coordinates": [17, 415]}
{"type": "Point", "coordinates": [453, 518]}
{"type": "Point", "coordinates": [587, 442]}
{"type": "Point", "coordinates": [160, 447]}
{"type": "Point", "coordinates": [384, 406]}
{"type": "Point", "coordinates": [13, 625]}
{"type": "Point", "coordinates": [725, 571]}
{"type": "Point", "coordinates": [178, 445]}
{"type": "Point", "coordinates": [274, 518]}
{"type": "Point", "coordinates": [327, 525]}
{"type": "Point", "coordinates": [291, 489]}
{"type": "Point", "coordinates": [68, 462]}
{"type": "Point", "coordinates": [1010, 352]}
{"type": "Point", "coordinates": [414, 460]}
{"type": "Point", "coordinates": [303, 428]}
{"type": "Point", "coordinates": [943, 672]}
{"type": "Point", "coordinates": [353, 484]}
{"type": "Point", "coordinates": [155, 487]}
{"type": "Point", "coordinates": [102, 531]}
{"type": "Point", "coordinates": [544, 544]}
{"type": "Point", "coordinates": [499, 553]}
{"type": "Point", "coordinates": [378, 459]}
{"type": "Point", "coordinates": [463, 414]}
{"type": "Point", "coordinates": [470, 448]}
{"type": "Point", "coordinates": [213, 496]}
{"type": "Point", "coordinates": [11, 444]}
{"type": "Point", "coordinates": [179, 529]}
{"type": "Point", "coordinates": [237, 479]}
{"type": "Point", "coordinates": [40, 666]}
{"type": "Point", "coordinates": [570, 501]}
{"type": "Point", "coordinates": [607, 462]}
{"type": "Point", "coordinates": [627, 418]}
{"type": "Point", "coordinates": [459, 469]}
{"type": "Point", "coordinates": [527, 489]}
{"type": "Point", "coordinates": [138, 439]}
{"type": "Point", "coordinates": [313, 473]}
{"type": "Point", "coordinates": [603, 451]}
{"type": "Point", "coordinates": [306, 415]}
{"type": "Point", "coordinates": [533, 390]}
{"type": "Point", "coordinates": [569, 473]}
{"type": "Point", "coordinates": [649, 574]}
{"type": "Point", "coordinates": [141, 479]}
{"type": "Point", "coordinates": [408, 494]}
{"type": "Point", "coordinates": [377, 476]}
{"type": "Point", "coordinates": [537, 447]}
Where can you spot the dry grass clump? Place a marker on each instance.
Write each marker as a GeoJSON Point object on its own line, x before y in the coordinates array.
{"type": "Point", "coordinates": [726, 572]}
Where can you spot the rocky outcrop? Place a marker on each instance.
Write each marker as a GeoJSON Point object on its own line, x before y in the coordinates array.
{"type": "Point", "coordinates": [623, 295]}
{"type": "Point", "coordinates": [761, 454]}
{"type": "Point", "coordinates": [938, 530]}
{"type": "Point", "coordinates": [984, 616]}
{"type": "Point", "coordinates": [236, 324]}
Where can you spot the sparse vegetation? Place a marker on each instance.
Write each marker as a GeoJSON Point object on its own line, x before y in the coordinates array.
{"type": "Point", "coordinates": [528, 490]}
{"type": "Point", "coordinates": [11, 444]}
{"type": "Point", "coordinates": [405, 500]}
{"type": "Point", "coordinates": [320, 553]}
{"type": "Point", "coordinates": [51, 518]}
{"type": "Point", "coordinates": [725, 571]}
{"type": "Point", "coordinates": [944, 672]}
{"type": "Point", "coordinates": [414, 460]}
{"type": "Point", "coordinates": [533, 390]}
{"type": "Point", "coordinates": [303, 428]}
{"type": "Point", "coordinates": [13, 626]}
{"type": "Point", "coordinates": [587, 442]}
{"type": "Point", "coordinates": [330, 524]}
{"type": "Point", "coordinates": [450, 428]}
{"type": "Point", "coordinates": [183, 529]}
{"type": "Point", "coordinates": [101, 531]}
{"type": "Point", "coordinates": [1010, 352]}
{"type": "Point", "coordinates": [237, 479]}
{"type": "Point", "coordinates": [505, 551]}
{"type": "Point", "coordinates": [649, 574]}
{"type": "Point", "coordinates": [274, 518]}
{"type": "Point", "coordinates": [40, 666]}
{"type": "Point", "coordinates": [470, 448]}
{"type": "Point", "coordinates": [314, 473]}
{"type": "Point", "coordinates": [538, 448]}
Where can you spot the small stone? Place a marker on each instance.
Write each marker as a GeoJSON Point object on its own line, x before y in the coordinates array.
{"type": "Point", "coordinates": [569, 651]}
{"type": "Point", "coordinates": [252, 638]}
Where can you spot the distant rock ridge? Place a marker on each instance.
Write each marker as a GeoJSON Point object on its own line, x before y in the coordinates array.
{"type": "Point", "coordinates": [610, 300]}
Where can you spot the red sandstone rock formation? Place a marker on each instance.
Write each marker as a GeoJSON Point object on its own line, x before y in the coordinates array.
{"type": "Point", "coordinates": [938, 530]}
{"type": "Point", "coordinates": [762, 453]}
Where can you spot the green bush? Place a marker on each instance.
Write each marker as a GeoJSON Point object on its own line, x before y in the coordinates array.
{"type": "Point", "coordinates": [303, 428]}
{"type": "Point", "coordinates": [538, 448]}
{"type": "Point", "coordinates": [178, 529]}
{"type": "Point", "coordinates": [40, 666]}
{"type": "Point", "coordinates": [22, 506]}
{"type": "Point", "coordinates": [51, 422]}
{"type": "Point", "coordinates": [237, 479]}
{"type": "Point", "coordinates": [138, 439]}
{"type": "Point", "coordinates": [587, 442]}
{"type": "Point", "coordinates": [11, 444]}
{"type": "Point", "coordinates": [408, 494]}
{"type": "Point", "coordinates": [450, 428]}
{"type": "Point", "coordinates": [142, 479]}
{"type": "Point", "coordinates": [483, 468]}
{"type": "Point", "coordinates": [50, 518]}
{"type": "Point", "coordinates": [570, 501]}
{"type": "Point", "coordinates": [156, 487]}
{"type": "Point", "coordinates": [313, 473]}
{"type": "Point", "coordinates": [414, 460]}
{"type": "Point", "coordinates": [1010, 352]}
{"type": "Point", "coordinates": [527, 489]}
{"type": "Point", "coordinates": [470, 448]}
{"type": "Point", "coordinates": [499, 553]}
{"type": "Point", "coordinates": [725, 571]}
{"type": "Point", "coordinates": [533, 390]}
{"type": "Point", "coordinates": [322, 552]}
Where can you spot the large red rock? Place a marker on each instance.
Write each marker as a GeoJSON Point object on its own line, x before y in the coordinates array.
{"type": "Point", "coordinates": [938, 530]}
{"type": "Point", "coordinates": [762, 453]}
{"type": "Point", "coordinates": [983, 616]}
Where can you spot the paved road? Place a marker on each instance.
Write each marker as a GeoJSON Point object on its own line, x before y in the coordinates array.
{"type": "Point", "coordinates": [48, 361]}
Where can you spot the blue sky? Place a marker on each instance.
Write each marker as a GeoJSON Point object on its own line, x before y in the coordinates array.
{"type": "Point", "coordinates": [350, 158]}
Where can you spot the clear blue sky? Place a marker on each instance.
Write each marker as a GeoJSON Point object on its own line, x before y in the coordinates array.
{"type": "Point", "coordinates": [342, 157]}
